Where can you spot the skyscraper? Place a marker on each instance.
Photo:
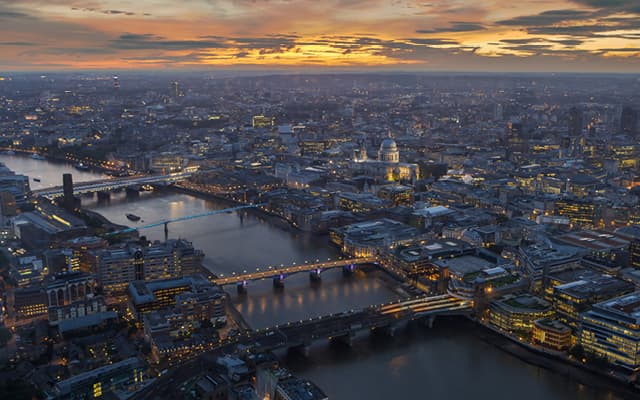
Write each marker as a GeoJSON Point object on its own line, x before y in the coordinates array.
{"type": "Point", "coordinates": [629, 121]}
{"type": "Point", "coordinates": [175, 89]}
{"type": "Point", "coordinates": [67, 189]}
{"type": "Point", "coordinates": [574, 122]}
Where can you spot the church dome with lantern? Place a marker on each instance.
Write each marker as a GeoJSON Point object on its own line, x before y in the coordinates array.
{"type": "Point", "coordinates": [389, 151]}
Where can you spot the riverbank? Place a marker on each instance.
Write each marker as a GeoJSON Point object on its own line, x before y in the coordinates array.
{"type": "Point", "coordinates": [557, 364]}
{"type": "Point", "coordinates": [55, 160]}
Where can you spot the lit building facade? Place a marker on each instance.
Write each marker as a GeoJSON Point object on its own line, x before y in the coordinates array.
{"type": "Point", "coordinates": [517, 313]}
{"type": "Point", "coordinates": [387, 166]}
{"type": "Point", "coordinates": [116, 268]}
{"type": "Point", "coordinates": [552, 334]}
{"type": "Point", "coordinates": [611, 329]}
{"type": "Point", "coordinates": [126, 375]}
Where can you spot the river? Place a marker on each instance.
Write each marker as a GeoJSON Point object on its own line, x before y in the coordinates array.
{"type": "Point", "coordinates": [446, 362]}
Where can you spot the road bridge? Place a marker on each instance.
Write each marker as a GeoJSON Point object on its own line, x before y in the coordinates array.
{"type": "Point", "coordinates": [106, 185]}
{"type": "Point", "coordinates": [278, 274]}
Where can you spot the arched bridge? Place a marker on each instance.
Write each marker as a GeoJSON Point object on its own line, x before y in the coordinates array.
{"type": "Point", "coordinates": [281, 272]}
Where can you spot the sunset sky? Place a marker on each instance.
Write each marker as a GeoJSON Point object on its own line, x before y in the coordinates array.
{"type": "Point", "coordinates": [421, 35]}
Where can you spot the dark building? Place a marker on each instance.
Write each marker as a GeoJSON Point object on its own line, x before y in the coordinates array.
{"type": "Point", "coordinates": [67, 188]}
{"type": "Point", "coordinates": [517, 138]}
{"type": "Point", "coordinates": [629, 121]}
{"type": "Point", "coordinates": [575, 122]}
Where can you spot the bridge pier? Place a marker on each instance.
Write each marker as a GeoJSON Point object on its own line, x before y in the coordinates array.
{"type": "Point", "coordinates": [166, 231]}
{"type": "Point", "coordinates": [346, 339]}
{"type": "Point", "coordinates": [314, 275]}
{"type": "Point", "coordinates": [304, 349]}
{"type": "Point", "coordinates": [347, 270]}
{"type": "Point", "coordinates": [390, 330]}
{"type": "Point", "coordinates": [104, 195]}
{"type": "Point", "coordinates": [242, 287]}
{"type": "Point", "coordinates": [132, 192]}
{"type": "Point", "coordinates": [278, 281]}
{"type": "Point", "coordinates": [428, 322]}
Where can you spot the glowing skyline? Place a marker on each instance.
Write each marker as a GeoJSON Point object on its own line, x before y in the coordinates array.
{"type": "Point", "coordinates": [492, 35]}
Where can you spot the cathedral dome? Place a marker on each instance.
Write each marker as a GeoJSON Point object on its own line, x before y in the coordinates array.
{"type": "Point", "coordinates": [388, 145]}
{"type": "Point", "coordinates": [389, 151]}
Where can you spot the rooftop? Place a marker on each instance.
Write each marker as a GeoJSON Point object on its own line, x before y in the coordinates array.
{"type": "Point", "coordinates": [597, 286]}
{"type": "Point", "coordinates": [627, 306]}
{"type": "Point", "coordinates": [523, 302]}
{"type": "Point", "coordinates": [301, 389]}
{"type": "Point", "coordinates": [594, 240]}
{"type": "Point", "coordinates": [465, 264]}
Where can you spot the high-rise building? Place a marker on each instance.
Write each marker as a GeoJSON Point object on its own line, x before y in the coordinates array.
{"type": "Point", "coordinates": [67, 189]}
{"type": "Point", "coordinates": [175, 89]}
{"type": "Point", "coordinates": [629, 121]}
{"type": "Point", "coordinates": [575, 122]}
{"type": "Point", "coordinates": [498, 112]}
{"type": "Point", "coordinates": [17, 185]}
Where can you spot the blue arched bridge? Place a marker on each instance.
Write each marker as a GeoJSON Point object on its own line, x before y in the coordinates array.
{"type": "Point", "coordinates": [166, 222]}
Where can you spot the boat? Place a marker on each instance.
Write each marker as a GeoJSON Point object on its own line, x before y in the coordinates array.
{"type": "Point", "coordinates": [36, 179]}
{"type": "Point", "coordinates": [81, 167]}
{"type": "Point", "coordinates": [37, 157]}
{"type": "Point", "coordinates": [132, 217]}
{"type": "Point", "coordinates": [10, 152]}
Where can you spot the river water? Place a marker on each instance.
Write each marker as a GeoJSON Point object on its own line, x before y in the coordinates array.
{"type": "Point", "coordinates": [446, 362]}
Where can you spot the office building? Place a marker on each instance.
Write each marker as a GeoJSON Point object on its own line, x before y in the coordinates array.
{"type": "Point", "coordinates": [552, 334]}
{"type": "Point", "coordinates": [571, 299]}
{"type": "Point", "coordinates": [575, 122]}
{"type": "Point", "coordinates": [611, 329]}
{"type": "Point", "coordinates": [629, 121]}
{"type": "Point", "coordinates": [117, 267]}
{"type": "Point", "coordinates": [193, 295]}
{"type": "Point", "coordinates": [113, 379]}
{"type": "Point", "coordinates": [517, 313]}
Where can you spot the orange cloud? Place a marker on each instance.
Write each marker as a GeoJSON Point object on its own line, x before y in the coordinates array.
{"type": "Point", "coordinates": [549, 34]}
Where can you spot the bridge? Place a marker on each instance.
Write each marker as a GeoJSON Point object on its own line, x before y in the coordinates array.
{"type": "Point", "coordinates": [341, 327]}
{"type": "Point", "coordinates": [344, 326]}
{"type": "Point", "coordinates": [105, 185]}
{"type": "Point", "coordinates": [279, 274]}
{"type": "Point", "coordinates": [166, 222]}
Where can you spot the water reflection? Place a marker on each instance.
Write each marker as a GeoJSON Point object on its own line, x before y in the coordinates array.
{"type": "Point", "coordinates": [49, 173]}
{"type": "Point", "coordinates": [447, 362]}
